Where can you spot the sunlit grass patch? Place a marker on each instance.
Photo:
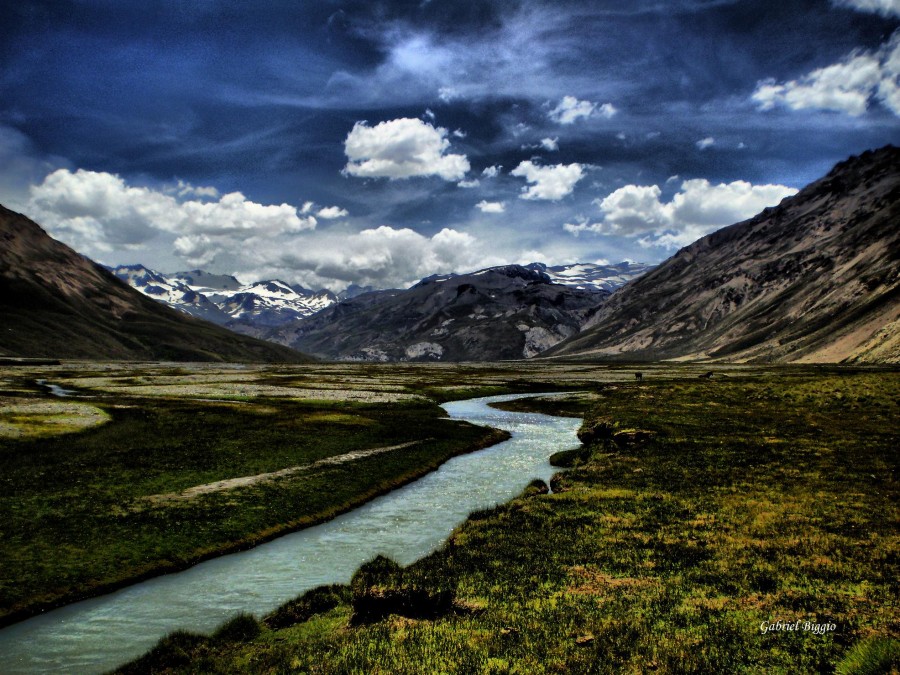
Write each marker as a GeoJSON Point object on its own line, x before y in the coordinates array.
{"type": "Point", "coordinates": [757, 500]}
{"type": "Point", "coordinates": [35, 418]}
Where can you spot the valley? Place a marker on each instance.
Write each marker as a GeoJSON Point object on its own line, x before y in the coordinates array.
{"type": "Point", "coordinates": [753, 494]}
{"type": "Point", "coordinates": [413, 338]}
{"type": "Point", "coordinates": [756, 497]}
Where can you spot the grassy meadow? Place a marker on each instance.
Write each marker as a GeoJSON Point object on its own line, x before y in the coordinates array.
{"type": "Point", "coordinates": [745, 523]}
{"type": "Point", "coordinates": [152, 468]}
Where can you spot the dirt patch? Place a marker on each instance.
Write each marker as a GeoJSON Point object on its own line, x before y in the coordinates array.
{"type": "Point", "coordinates": [247, 481]}
{"type": "Point", "coordinates": [591, 581]}
{"type": "Point", "coordinates": [234, 389]}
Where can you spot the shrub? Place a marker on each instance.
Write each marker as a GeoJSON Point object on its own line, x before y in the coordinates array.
{"type": "Point", "coordinates": [242, 628]}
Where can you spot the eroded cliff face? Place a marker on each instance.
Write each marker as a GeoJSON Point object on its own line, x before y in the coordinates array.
{"type": "Point", "coordinates": [815, 279]}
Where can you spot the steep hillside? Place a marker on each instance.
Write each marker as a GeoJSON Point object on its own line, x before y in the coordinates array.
{"type": "Point", "coordinates": [56, 303]}
{"type": "Point", "coordinates": [499, 313]}
{"type": "Point", "coordinates": [815, 279]}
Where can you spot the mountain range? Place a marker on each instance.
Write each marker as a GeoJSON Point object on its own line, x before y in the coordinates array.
{"type": "Point", "coordinates": [377, 325]}
{"type": "Point", "coordinates": [222, 299]}
{"type": "Point", "coordinates": [57, 303]}
{"type": "Point", "coordinates": [814, 279]}
{"type": "Point", "coordinates": [508, 312]}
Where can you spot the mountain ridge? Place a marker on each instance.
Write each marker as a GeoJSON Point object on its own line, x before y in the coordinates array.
{"type": "Point", "coordinates": [57, 303]}
{"type": "Point", "coordinates": [224, 300]}
{"type": "Point", "coordinates": [814, 279]}
{"type": "Point", "coordinates": [499, 313]}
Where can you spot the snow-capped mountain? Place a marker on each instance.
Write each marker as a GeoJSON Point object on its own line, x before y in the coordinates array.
{"type": "Point", "coordinates": [171, 291]}
{"type": "Point", "coordinates": [263, 308]}
{"type": "Point", "coordinates": [224, 300]}
{"type": "Point", "coordinates": [214, 286]}
{"type": "Point", "coordinates": [591, 275]}
{"type": "Point", "coordinates": [273, 302]}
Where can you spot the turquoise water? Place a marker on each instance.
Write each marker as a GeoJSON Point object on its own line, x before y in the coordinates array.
{"type": "Point", "coordinates": [97, 635]}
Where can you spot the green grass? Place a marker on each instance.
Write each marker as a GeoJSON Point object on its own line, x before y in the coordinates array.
{"type": "Point", "coordinates": [755, 500]}
{"type": "Point", "coordinates": [74, 518]}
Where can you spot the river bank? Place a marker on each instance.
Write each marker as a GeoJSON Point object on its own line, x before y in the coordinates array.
{"type": "Point", "coordinates": [746, 502]}
{"type": "Point", "coordinates": [405, 524]}
{"type": "Point", "coordinates": [76, 518]}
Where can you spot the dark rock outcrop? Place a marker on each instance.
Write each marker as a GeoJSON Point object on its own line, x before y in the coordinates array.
{"type": "Point", "coordinates": [508, 312]}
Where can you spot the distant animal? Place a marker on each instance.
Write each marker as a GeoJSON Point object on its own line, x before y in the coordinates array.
{"type": "Point", "coordinates": [639, 377]}
{"type": "Point", "coordinates": [707, 376]}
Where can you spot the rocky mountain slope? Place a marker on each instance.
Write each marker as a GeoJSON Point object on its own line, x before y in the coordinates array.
{"type": "Point", "coordinates": [56, 303]}
{"type": "Point", "coordinates": [815, 279]}
{"type": "Point", "coordinates": [222, 299]}
{"type": "Point", "coordinates": [171, 291]}
{"type": "Point", "coordinates": [506, 312]}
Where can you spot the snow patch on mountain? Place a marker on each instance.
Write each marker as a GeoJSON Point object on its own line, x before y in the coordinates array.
{"type": "Point", "coordinates": [424, 350]}
{"type": "Point", "coordinates": [592, 275]}
{"type": "Point", "coordinates": [223, 299]}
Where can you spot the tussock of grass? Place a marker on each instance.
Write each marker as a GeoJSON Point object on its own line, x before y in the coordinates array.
{"type": "Point", "coordinates": [242, 628]}
{"type": "Point", "coordinates": [875, 656]}
{"type": "Point", "coordinates": [176, 650]}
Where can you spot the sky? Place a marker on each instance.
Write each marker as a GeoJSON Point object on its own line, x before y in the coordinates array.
{"type": "Point", "coordinates": [376, 142]}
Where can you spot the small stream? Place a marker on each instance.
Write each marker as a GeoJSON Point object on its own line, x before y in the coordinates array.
{"type": "Point", "coordinates": [96, 635]}
{"type": "Point", "coordinates": [55, 389]}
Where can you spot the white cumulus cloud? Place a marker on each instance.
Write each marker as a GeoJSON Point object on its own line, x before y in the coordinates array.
{"type": "Point", "coordinates": [697, 209]}
{"type": "Point", "coordinates": [607, 110]}
{"type": "Point", "coordinates": [705, 143]}
{"type": "Point", "coordinates": [491, 171]}
{"type": "Point", "coordinates": [332, 212]}
{"type": "Point", "coordinates": [883, 7]}
{"type": "Point", "coordinates": [491, 207]}
{"type": "Point", "coordinates": [98, 212]}
{"type": "Point", "coordinates": [570, 109]}
{"type": "Point", "coordinates": [384, 257]}
{"type": "Point", "coordinates": [847, 86]}
{"type": "Point", "coordinates": [548, 182]}
{"type": "Point", "coordinates": [550, 144]}
{"type": "Point", "coordinates": [401, 148]}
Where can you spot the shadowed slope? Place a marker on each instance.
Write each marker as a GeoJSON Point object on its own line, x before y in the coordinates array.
{"type": "Point", "coordinates": [57, 303]}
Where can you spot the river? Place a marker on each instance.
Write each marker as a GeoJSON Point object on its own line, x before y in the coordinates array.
{"type": "Point", "coordinates": [96, 635]}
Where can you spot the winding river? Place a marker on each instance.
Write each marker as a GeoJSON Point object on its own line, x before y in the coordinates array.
{"type": "Point", "coordinates": [99, 634]}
